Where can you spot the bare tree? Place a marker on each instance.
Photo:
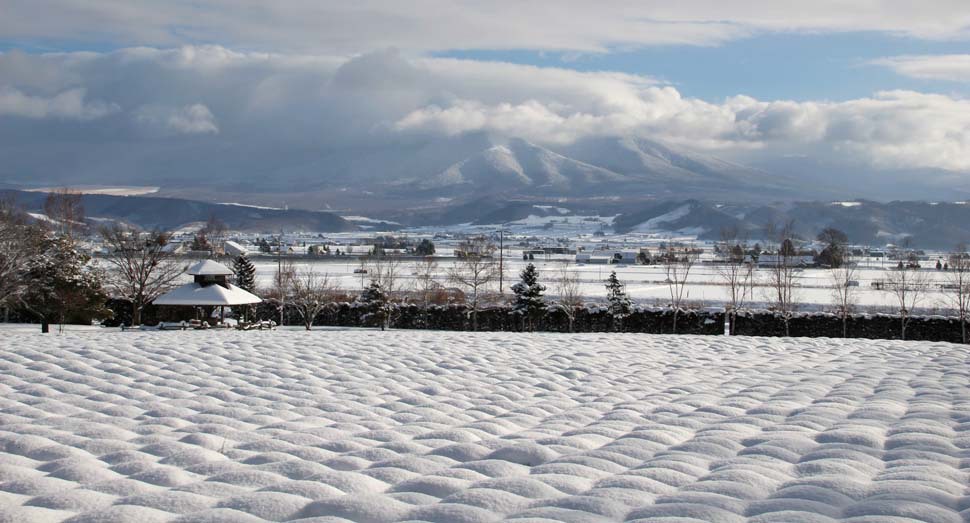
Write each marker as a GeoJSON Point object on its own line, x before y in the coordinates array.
{"type": "Point", "coordinates": [566, 285]}
{"type": "Point", "coordinates": [957, 286]}
{"type": "Point", "coordinates": [677, 263]}
{"type": "Point", "coordinates": [66, 208]}
{"type": "Point", "coordinates": [844, 285]}
{"type": "Point", "coordinates": [142, 267]}
{"type": "Point", "coordinates": [737, 273]}
{"type": "Point", "coordinates": [783, 273]}
{"type": "Point", "coordinates": [282, 284]}
{"type": "Point", "coordinates": [474, 274]}
{"type": "Point", "coordinates": [424, 273]}
{"type": "Point", "coordinates": [908, 285]}
{"type": "Point", "coordinates": [310, 293]}
{"type": "Point", "coordinates": [387, 271]}
{"type": "Point", "coordinates": [216, 231]}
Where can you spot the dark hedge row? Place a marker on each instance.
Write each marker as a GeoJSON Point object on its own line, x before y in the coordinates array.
{"type": "Point", "coordinates": [871, 326]}
{"type": "Point", "coordinates": [588, 319]}
{"type": "Point", "coordinates": [458, 318]}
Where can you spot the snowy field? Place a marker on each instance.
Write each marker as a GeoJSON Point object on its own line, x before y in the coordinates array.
{"type": "Point", "coordinates": [338, 426]}
{"type": "Point", "coordinates": [644, 283]}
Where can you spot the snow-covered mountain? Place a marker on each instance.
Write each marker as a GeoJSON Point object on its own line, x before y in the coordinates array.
{"type": "Point", "coordinates": [673, 169]}
{"type": "Point", "coordinates": [627, 166]}
{"type": "Point", "coordinates": [520, 165]}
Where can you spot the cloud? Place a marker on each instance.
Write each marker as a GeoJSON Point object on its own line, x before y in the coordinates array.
{"type": "Point", "coordinates": [949, 67]}
{"type": "Point", "coordinates": [366, 25]}
{"type": "Point", "coordinates": [68, 104]}
{"type": "Point", "coordinates": [312, 117]}
{"type": "Point", "coordinates": [190, 119]}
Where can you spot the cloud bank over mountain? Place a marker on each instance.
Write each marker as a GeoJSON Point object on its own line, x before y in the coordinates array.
{"type": "Point", "coordinates": [102, 113]}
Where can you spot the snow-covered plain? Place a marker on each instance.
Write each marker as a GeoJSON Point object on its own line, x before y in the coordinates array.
{"type": "Point", "coordinates": [367, 426]}
{"type": "Point", "coordinates": [644, 283]}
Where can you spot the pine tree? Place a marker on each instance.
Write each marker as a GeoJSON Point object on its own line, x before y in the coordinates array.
{"type": "Point", "coordinates": [528, 297]}
{"type": "Point", "coordinates": [619, 302]}
{"type": "Point", "coordinates": [63, 286]}
{"type": "Point", "coordinates": [377, 304]}
{"type": "Point", "coordinates": [425, 248]}
{"type": "Point", "coordinates": [245, 273]}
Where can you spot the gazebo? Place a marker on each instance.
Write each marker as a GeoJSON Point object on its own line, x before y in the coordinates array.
{"type": "Point", "coordinates": [210, 287]}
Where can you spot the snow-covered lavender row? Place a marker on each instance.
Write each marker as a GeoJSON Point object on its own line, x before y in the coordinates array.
{"type": "Point", "coordinates": [365, 426]}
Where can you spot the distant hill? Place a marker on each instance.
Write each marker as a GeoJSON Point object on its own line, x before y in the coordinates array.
{"type": "Point", "coordinates": [930, 225]}
{"type": "Point", "coordinates": [171, 213]}
{"type": "Point", "coordinates": [419, 170]}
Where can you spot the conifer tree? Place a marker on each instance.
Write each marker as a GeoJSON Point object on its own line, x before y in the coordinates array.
{"type": "Point", "coordinates": [245, 273]}
{"type": "Point", "coordinates": [528, 297]}
{"type": "Point", "coordinates": [377, 304]}
{"type": "Point", "coordinates": [62, 285]}
{"type": "Point", "coordinates": [619, 302]}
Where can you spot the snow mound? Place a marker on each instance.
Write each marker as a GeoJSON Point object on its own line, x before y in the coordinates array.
{"type": "Point", "coordinates": [358, 426]}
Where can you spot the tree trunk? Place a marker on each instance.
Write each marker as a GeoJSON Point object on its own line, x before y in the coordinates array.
{"type": "Point", "coordinates": [45, 326]}
{"type": "Point", "coordinates": [845, 325]}
{"type": "Point", "coordinates": [135, 313]}
{"type": "Point", "coordinates": [902, 326]}
{"type": "Point", "coordinates": [676, 311]}
{"type": "Point", "coordinates": [963, 327]}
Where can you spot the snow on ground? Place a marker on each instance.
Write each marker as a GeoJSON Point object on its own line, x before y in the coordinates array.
{"type": "Point", "coordinates": [99, 189]}
{"type": "Point", "coordinates": [367, 426]}
{"type": "Point", "coordinates": [644, 283]}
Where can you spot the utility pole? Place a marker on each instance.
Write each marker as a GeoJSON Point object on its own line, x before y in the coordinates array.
{"type": "Point", "coordinates": [501, 258]}
{"type": "Point", "coordinates": [279, 274]}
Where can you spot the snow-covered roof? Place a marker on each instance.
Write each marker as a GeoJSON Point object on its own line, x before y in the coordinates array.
{"type": "Point", "coordinates": [232, 247]}
{"type": "Point", "coordinates": [209, 268]}
{"type": "Point", "coordinates": [215, 294]}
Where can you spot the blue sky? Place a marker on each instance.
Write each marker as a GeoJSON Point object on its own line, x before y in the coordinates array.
{"type": "Point", "coordinates": [875, 86]}
{"type": "Point", "coordinates": [793, 66]}
{"type": "Point", "coordinates": [773, 66]}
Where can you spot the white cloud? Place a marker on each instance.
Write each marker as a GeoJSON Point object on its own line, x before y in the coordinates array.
{"type": "Point", "coordinates": [950, 67]}
{"type": "Point", "coordinates": [365, 25]}
{"type": "Point", "coordinates": [894, 129]}
{"type": "Point", "coordinates": [312, 113]}
{"type": "Point", "coordinates": [190, 119]}
{"type": "Point", "coordinates": [68, 104]}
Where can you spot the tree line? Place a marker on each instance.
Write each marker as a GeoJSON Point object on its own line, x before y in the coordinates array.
{"type": "Point", "coordinates": [44, 274]}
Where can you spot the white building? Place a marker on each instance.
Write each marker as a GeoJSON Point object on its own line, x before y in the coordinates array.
{"type": "Point", "coordinates": [210, 287]}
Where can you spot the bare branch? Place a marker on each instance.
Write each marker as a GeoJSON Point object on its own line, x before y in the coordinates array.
{"type": "Point", "coordinates": [142, 266]}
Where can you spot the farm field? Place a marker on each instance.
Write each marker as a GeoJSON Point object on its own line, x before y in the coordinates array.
{"type": "Point", "coordinates": [366, 426]}
{"type": "Point", "coordinates": [644, 283]}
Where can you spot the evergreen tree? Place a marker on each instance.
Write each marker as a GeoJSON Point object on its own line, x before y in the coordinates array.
{"type": "Point", "coordinates": [425, 248]}
{"type": "Point", "coordinates": [245, 273]}
{"type": "Point", "coordinates": [377, 304]}
{"type": "Point", "coordinates": [619, 306]}
{"type": "Point", "coordinates": [528, 297]}
{"type": "Point", "coordinates": [63, 286]}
